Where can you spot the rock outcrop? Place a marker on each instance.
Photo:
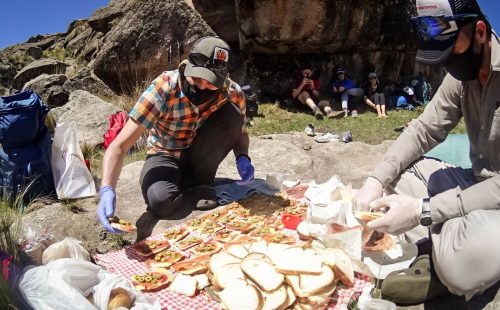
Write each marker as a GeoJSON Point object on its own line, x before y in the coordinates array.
{"type": "Point", "coordinates": [50, 88]}
{"type": "Point", "coordinates": [37, 68]}
{"type": "Point", "coordinates": [89, 113]}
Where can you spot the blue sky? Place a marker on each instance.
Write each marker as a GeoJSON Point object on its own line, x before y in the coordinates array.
{"type": "Point", "coordinates": [27, 18]}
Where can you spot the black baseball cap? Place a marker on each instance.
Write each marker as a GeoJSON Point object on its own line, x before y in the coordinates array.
{"type": "Point", "coordinates": [436, 50]}
{"type": "Point", "coordinates": [208, 60]}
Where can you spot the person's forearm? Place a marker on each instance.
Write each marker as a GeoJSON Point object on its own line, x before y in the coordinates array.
{"type": "Point", "coordinates": [296, 92]}
{"type": "Point", "coordinates": [242, 144]}
{"type": "Point", "coordinates": [370, 103]}
{"type": "Point", "coordinates": [455, 202]}
{"type": "Point", "coordinates": [112, 163]}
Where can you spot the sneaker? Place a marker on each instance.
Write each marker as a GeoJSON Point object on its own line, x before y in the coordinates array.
{"type": "Point", "coordinates": [204, 197]}
{"type": "Point", "coordinates": [327, 137]}
{"type": "Point", "coordinates": [309, 130]}
{"type": "Point", "coordinates": [346, 136]}
{"type": "Point", "coordinates": [317, 114]}
{"type": "Point", "coordinates": [354, 113]}
{"type": "Point", "coordinates": [333, 114]}
{"type": "Point", "coordinates": [346, 113]}
{"type": "Point", "coordinates": [414, 285]}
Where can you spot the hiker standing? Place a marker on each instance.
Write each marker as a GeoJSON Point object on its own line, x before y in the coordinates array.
{"type": "Point", "coordinates": [458, 209]}
{"type": "Point", "coordinates": [194, 116]}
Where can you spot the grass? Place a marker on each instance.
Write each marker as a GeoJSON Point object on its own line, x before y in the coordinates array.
{"type": "Point", "coordinates": [365, 128]}
{"type": "Point", "coordinates": [57, 53]}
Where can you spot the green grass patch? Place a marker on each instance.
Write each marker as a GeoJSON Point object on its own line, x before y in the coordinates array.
{"type": "Point", "coordinates": [57, 53]}
{"type": "Point", "coordinates": [365, 128]}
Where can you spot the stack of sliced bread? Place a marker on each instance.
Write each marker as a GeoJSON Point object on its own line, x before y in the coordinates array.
{"type": "Point", "coordinates": [260, 276]}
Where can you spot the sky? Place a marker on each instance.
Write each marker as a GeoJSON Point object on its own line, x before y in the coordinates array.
{"type": "Point", "coordinates": [22, 19]}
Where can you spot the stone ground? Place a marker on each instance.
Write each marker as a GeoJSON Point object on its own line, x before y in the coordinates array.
{"type": "Point", "coordinates": [294, 154]}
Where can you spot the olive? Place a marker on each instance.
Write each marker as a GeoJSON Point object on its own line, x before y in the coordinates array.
{"type": "Point", "coordinates": [157, 276]}
{"type": "Point", "coordinates": [154, 281]}
{"type": "Point", "coordinates": [163, 260]}
{"type": "Point", "coordinates": [148, 279]}
{"type": "Point", "coordinates": [157, 258]}
{"type": "Point", "coordinates": [140, 279]}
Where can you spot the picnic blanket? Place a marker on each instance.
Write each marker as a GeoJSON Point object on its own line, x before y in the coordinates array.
{"type": "Point", "coordinates": [454, 150]}
{"type": "Point", "coordinates": [127, 263]}
{"type": "Point", "coordinates": [228, 190]}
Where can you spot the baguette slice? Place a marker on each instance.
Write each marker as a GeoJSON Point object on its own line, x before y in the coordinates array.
{"type": "Point", "coordinates": [183, 284]}
{"type": "Point", "coordinates": [263, 274]}
{"type": "Point", "coordinates": [226, 275]}
{"type": "Point", "coordinates": [258, 256]}
{"type": "Point", "coordinates": [220, 259]}
{"type": "Point", "coordinates": [341, 265]}
{"type": "Point", "coordinates": [320, 298]}
{"type": "Point", "coordinates": [202, 281]}
{"type": "Point", "coordinates": [241, 296]}
{"type": "Point", "coordinates": [312, 284]}
{"type": "Point", "coordinates": [295, 260]}
{"type": "Point", "coordinates": [294, 282]}
{"type": "Point", "coordinates": [290, 297]}
{"type": "Point", "coordinates": [275, 300]}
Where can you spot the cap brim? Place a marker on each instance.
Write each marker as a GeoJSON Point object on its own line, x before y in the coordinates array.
{"type": "Point", "coordinates": [204, 73]}
{"type": "Point", "coordinates": [435, 51]}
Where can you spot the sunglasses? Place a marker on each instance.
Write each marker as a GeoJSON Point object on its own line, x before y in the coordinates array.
{"type": "Point", "coordinates": [215, 65]}
{"type": "Point", "coordinates": [433, 26]}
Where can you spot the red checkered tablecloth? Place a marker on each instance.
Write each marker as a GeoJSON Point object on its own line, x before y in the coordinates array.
{"type": "Point", "coordinates": [127, 263]}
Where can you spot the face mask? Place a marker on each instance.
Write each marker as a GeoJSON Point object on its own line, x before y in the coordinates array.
{"type": "Point", "coordinates": [198, 96]}
{"type": "Point", "coordinates": [465, 66]}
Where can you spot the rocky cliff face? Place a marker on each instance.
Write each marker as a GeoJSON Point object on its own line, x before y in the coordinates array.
{"type": "Point", "coordinates": [127, 43]}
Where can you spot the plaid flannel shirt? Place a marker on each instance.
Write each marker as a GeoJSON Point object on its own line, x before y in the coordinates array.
{"type": "Point", "coordinates": [171, 119]}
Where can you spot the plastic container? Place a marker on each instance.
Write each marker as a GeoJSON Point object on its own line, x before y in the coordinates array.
{"type": "Point", "coordinates": [291, 221]}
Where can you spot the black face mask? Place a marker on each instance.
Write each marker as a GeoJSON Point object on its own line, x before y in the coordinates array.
{"type": "Point", "coordinates": [198, 96]}
{"type": "Point", "coordinates": [465, 66]}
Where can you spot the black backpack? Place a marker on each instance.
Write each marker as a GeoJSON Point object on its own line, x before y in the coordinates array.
{"type": "Point", "coordinates": [251, 101]}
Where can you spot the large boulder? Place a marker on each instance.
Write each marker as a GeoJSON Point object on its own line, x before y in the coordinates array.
{"type": "Point", "coordinates": [7, 74]}
{"type": "Point", "coordinates": [36, 68]}
{"type": "Point", "coordinates": [50, 88]}
{"type": "Point", "coordinates": [84, 80]}
{"type": "Point", "coordinates": [134, 50]}
{"type": "Point", "coordinates": [89, 113]}
{"type": "Point", "coordinates": [220, 15]}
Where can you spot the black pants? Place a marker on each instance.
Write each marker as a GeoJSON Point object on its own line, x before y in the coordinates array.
{"type": "Point", "coordinates": [165, 181]}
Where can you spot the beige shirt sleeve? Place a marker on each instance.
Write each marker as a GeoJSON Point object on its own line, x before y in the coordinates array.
{"type": "Point", "coordinates": [431, 128]}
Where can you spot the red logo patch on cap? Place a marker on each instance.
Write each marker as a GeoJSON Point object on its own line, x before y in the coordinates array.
{"type": "Point", "coordinates": [221, 54]}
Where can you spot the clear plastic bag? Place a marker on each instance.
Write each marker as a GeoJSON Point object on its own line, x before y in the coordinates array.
{"type": "Point", "coordinates": [68, 248]}
{"type": "Point", "coordinates": [71, 176]}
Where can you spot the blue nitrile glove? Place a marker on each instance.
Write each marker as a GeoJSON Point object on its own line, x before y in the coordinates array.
{"type": "Point", "coordinates": [106, 209]}
{"type": "Point", "coordinates": [245, 169]}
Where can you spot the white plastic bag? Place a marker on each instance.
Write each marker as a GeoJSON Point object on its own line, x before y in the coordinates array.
{"type": "Point", "coordinates": [66, 283]}
{"type": "Point", "coordinates": [71, 176]}
{"type": "Point", "coordinates": [62, 284]}
{"type": "Point", "coordinates": [68, 248]}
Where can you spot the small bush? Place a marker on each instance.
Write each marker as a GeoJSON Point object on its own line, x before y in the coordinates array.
{"type": "Point", "coordinates": [58, 53]}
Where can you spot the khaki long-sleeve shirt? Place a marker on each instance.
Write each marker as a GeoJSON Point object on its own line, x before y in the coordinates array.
{"type": "Point", "coordinates": [480, 109]}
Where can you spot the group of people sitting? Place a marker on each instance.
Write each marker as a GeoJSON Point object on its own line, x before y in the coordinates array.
{"type": "Point", "coordinates": [306, 91]}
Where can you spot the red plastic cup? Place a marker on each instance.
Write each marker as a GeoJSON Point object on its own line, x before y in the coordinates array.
{"type": "Point", "coordinates": [291, 221]}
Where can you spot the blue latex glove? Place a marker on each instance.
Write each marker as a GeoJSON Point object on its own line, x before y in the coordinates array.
{"type": "Point", "coordinates": [106, 209]}
{"type": "Point", "coordinates": [245, 169]}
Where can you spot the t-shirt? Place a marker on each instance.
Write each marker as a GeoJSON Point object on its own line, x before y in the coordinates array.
{"type": "Point", "coordinates": [307, 87]}
{"type": "Point", "coordinates": [171, 119]}
{"type": "Point", "coordinates": [370, 91]}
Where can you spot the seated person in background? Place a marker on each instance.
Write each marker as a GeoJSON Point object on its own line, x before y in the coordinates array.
{"type": "Point", "coordinates": [306, 91]}
{"type": "Point", "coordinates": [342, 87]}
{"type": "Point", "coordinates": [374, 95]}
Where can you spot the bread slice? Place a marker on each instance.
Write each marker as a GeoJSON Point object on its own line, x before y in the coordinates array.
{"type": "Point", "coordinates": [275, 300]}
{"type": "Point", "coordinates": [220, 259]}
{"type": "Point", "coordinates": [258, 247]}
{"type": "Point", "coordinates": [263, 274]}
{"type": "Point", "coordinates": [296, 260]}
{"type": "Point", "coordinates": [183, 284]}
{"type": "Point", "coordinates": [341, 265]}
{"type": "Point", "coordinates": [202, 281]}
{"type": "Point", "coordinates": [294, 282]}
{"type": "Point", "coordinates": [226, 274]}
{"type": "Point", "coordinates": [290, 297]}
{"type": "Point", "coordinates": [258, 256]}
{"type": "Point", "coordinates": [241, 296]}
{"type": "Point", "coordinates": [275, 250]}
{"type": "Point", "coordinates": [311, 284]}
{"type": "Point", "coordinates": [237, 250]}
{"type": "Point", "coordinates": [321, 298]}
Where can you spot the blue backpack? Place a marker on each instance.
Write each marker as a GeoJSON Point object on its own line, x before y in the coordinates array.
{"type": "Point", "coordinates": [25, 147]}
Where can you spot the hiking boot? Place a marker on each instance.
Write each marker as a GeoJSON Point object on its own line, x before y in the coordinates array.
{"type": "Point", "coordinates": [327, 137]}
{"type": "Point", "coordinates": [317, 113]}
{"type": "Point", "coordinates": [415, 285]}
{"type": "Point", "coordinates": [204, 197]}
{"type": "Point", "coordinates": [145, 225]}
{"type": "Point", "coordinates": [354, 113]}
{"type": "Point", "coordinates": [309, 130]}
{"type": "Point", "coordinates": [333, 114]}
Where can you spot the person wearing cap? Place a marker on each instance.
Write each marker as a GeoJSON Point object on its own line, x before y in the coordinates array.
{"type": "Point", "coordinates": [452, 213]}
{"type": "Point", "coordinates": [374, 95]}
{"type": "Point", "coordinates": [194, 117]}
{"type": "Point", "coordinates": [341, 88]}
